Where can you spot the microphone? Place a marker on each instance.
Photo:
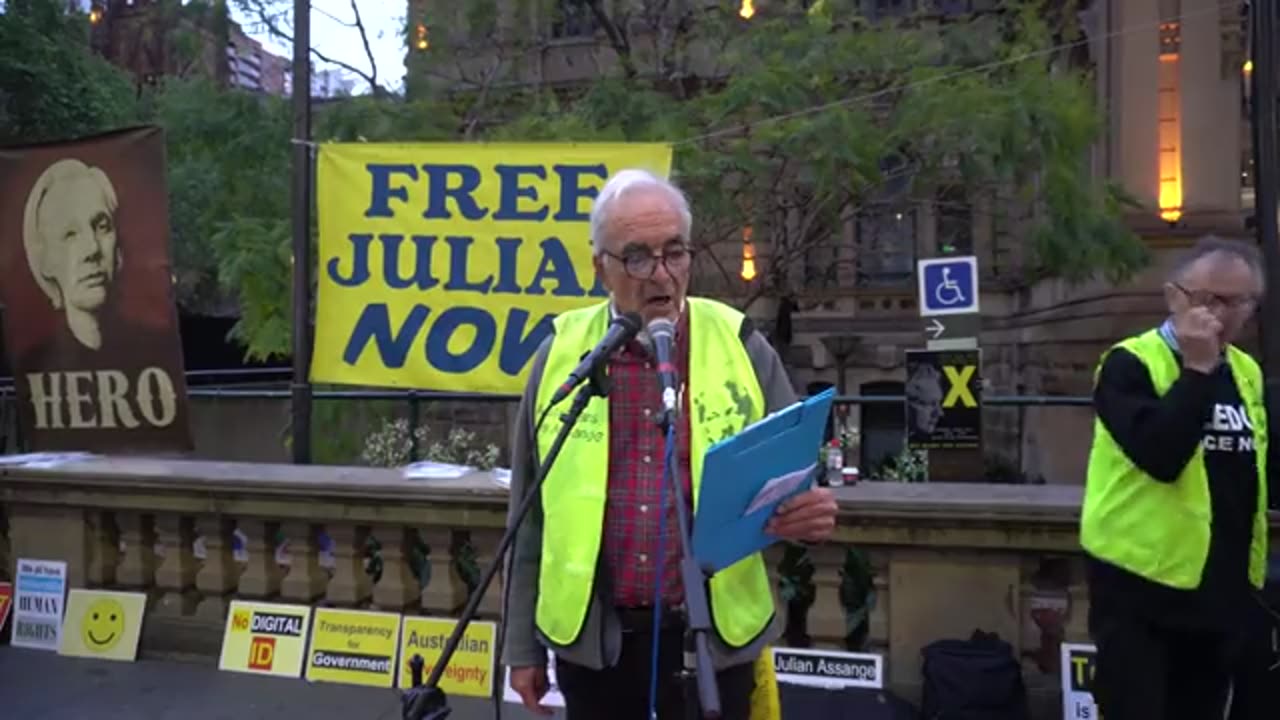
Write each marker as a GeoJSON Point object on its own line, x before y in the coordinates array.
{"type": "Point", "coordinates": [623, 328]}
{"type": "Point", "coordinates": [663, 334]}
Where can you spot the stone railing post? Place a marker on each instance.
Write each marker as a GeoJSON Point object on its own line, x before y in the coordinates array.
{"type": "Point", "coordinates": [176, 574]}
{"type": "Point", "coordinates": [826, 616]}
{"type": "Point", "coordinates": [218, 576]}
{"type": "Point", "coordinates": [103, 548]}
{"type": "Point", "coordinates": [445, 593]}
{"type": "Point", "coordinates": [482, 544]}
{"type": "Point", "coordinates": [137, 568]}
{"type": "Point", "coordinates": [262, 575]}
{"type": "Point", "coordinates": [398, 588]}
{"type": "Point", "coordinates": [350, 585]}
{"type": "Point", "coordinates": [304, 580]}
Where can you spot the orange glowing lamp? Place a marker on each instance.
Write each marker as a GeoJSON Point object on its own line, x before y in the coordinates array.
{"type": "Point", "coordinates": [748, 255]}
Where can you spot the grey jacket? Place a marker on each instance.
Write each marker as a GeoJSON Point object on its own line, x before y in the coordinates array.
{"type": "Point", "coordinates": [600, 642]}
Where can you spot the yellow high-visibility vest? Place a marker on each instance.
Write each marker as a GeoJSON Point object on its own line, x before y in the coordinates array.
{"type": "Point", "coordinates": [1159, 530]}
{"type": "Point", "coordinates": [724, 397]}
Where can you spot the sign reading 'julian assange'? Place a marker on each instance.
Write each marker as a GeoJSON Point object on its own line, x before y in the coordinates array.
{"type": "Point", "coordinates": [90, 326]}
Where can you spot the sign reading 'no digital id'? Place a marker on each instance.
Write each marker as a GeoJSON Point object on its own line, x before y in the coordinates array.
{"type": "Point", "coordinates": [264, 638]}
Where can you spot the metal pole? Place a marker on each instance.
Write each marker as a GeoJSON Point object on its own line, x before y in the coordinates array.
{"type": "Point", "coordinates": [1265, 66]}
{"type": "Point", "coordinates": [301, 387]}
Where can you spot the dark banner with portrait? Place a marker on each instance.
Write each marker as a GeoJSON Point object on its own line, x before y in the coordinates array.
{"type": "Point", "coordinates": [944, 399]}
{"type": "Point", "coordinates": [89, 318]}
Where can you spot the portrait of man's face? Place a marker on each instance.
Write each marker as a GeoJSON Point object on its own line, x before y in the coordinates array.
{"type": "Point", "coordinates": [924, 399]}
{"type": "Point", "coordinates": [71, 243]}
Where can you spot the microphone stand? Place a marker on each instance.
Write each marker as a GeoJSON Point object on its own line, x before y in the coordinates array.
{"type": "Point", "coordinates": [701, 691]}
{"type": "Point", "coordinates": [428, 701]}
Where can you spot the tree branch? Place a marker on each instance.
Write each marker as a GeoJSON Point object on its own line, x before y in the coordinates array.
{"type": "Point", "coordinates": [368, 52]}
{"type": "Point", "coordinates": [268, 21]}
{"type": "Point", "coordinates": [473, 113]}
{"type": "Point", "coordinates": [617, 36]}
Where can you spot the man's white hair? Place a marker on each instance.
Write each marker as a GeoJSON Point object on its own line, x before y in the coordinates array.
{"type": "Point", "coordinates": [623, 182]}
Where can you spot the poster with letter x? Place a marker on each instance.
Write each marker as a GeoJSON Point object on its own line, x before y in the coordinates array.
{"type": "Point", "coordinates": [944, 399]}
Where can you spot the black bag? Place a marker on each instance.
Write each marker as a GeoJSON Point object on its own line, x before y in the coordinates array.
{"type": "Point", "coordinates": [975, 679]}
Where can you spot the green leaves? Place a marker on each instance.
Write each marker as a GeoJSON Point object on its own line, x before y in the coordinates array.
{"type": "Point", "coordinates": [790, 122]}
{"type": "Point", "coordinates": [52, 86]}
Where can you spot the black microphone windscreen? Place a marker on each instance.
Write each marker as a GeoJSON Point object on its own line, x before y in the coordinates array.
{"type": "Point", "coordinates": [631, 321]}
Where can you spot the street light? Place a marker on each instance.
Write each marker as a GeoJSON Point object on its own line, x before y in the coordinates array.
{"type": "Point", "coordinates": [747, 10]}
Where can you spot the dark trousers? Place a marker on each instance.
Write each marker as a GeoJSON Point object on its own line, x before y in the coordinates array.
{"type": "Point", "coordinates": [1255, 683]}
{"type": "Point", "coordinates": [1147, 671]}
{"type": "Point", "coordinates": [622, 692]}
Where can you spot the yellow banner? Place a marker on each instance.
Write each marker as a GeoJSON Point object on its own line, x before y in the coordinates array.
{"type": "Point", "coordinates": [442, 266]}
{"type": "Point", "coordinates": [470, 670]}
{"type": "Point", "coordinates": [102, 624]}
{"type": "Point", "coordinates": [264, 638]}
{"type": "Point", "coordinates": [354, 646]}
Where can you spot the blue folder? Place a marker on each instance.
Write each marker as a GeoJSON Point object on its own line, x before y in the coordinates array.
{"type": "Point", "coordinates": [746, 477]}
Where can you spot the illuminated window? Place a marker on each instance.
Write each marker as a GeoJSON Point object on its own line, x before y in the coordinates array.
{"type": "Point", "coordinates": [749, 270]}
{"type": "Point", "coordinates": [1169, 122]}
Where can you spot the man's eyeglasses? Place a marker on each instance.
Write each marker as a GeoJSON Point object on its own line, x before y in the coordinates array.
{"type": "Point", "coordinates": [641, 264]}
{"type": "Point", "coordinates": [1204, 298]}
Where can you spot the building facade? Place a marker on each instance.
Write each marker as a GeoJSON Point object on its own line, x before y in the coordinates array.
{"type": "Point", "coordinates": [1171, 80]}
{"type": "Point", "coordinates": [153, 40]}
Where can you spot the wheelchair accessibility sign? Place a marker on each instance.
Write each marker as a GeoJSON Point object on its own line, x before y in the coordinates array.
{"type": "Point", "coordinates": [948, 286]}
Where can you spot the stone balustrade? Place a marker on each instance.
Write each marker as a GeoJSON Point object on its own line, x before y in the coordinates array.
{"type": "Point", "coordinates": [944, 559]}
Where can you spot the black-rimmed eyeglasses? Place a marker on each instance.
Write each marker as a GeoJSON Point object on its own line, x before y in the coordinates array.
{"type": "Point", "coordinates": [641, 264]}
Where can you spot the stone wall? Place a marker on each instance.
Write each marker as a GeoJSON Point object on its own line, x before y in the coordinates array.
{"type": "Point", "coordinates": [258, 430]}
{"type": "Point", "coordinates": [194, 535]}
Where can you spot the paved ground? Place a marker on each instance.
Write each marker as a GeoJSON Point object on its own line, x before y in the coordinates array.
{"type": "Point", "coordinates": [38, 685]}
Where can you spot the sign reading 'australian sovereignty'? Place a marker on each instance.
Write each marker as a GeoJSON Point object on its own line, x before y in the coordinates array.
{"type": "Point", "coordinates": [470, 670]}
{"type": "Point", "coordinates": [442, 266]}
{"type": "Point", "coordinates": [90, 324]}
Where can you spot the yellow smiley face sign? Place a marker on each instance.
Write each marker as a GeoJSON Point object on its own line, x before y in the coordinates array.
{"type": "Point", "coordinates": [102, 624]}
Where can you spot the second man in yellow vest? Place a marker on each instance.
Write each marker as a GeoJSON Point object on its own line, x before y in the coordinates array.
{"type": "Point", "coordinates": [1174, 522]}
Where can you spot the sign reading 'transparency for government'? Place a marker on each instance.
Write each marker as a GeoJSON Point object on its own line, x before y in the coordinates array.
{"type": "Point", "coordinates": [354, 646]}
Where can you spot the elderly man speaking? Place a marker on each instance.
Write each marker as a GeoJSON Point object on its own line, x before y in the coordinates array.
{"type": "Point", "coordinates": [601, 505]}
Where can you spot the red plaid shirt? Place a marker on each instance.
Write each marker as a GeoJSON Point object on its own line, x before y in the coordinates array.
{"type": "Point", "coordinates": [637, 448]}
